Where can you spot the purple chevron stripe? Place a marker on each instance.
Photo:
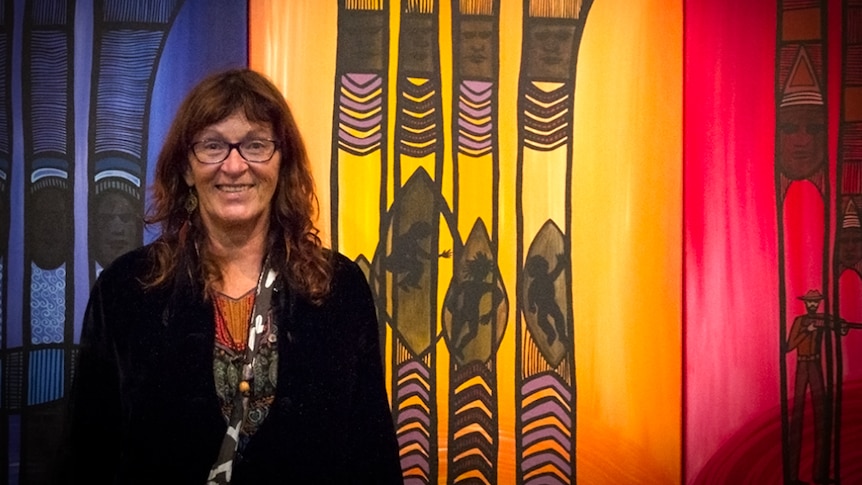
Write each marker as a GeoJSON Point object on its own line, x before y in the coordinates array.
{"type": "Point", "coordinates": [546, 408]}
{"type": "Point", "coordinates": [415, 460]}
{"type": "Point", "coordinates": [468, 143]}
{"type": "Point", "coordinates": [547, 433]}
{"type": "Point", "coordinates": [359, 151]}
{"type": "Point", "coordinates": [546, 480]}
{"type": "Point", "coordinates": [361, 123]}
{"type": "Point", "coordinates": [413, 388]}
{"type": "Point", "coordinates": [414, 437]}
{"type": "Point", "coordinates": [413, 366]}
{"type": "Point", "coordinates": [481, 89]}
{"type": "Point", "coordinates": [414, 414]}
{"type": "Point", "coordinates": [474, 112]}
{"type": "Point", "coordinates": [483, 109]}
{"type": "Point", "coordinates": [540, 459]}
{"type": "Point", "coordinates": [358, 142]}
{"type": "Point", "coordinates": [360, 106]}
{"type": "Point", "coordinates": [542, 382]}
{"type": "Point", "coordinates": [415, 481]}
{"type": "Point", "coordinates": [473, 128]}
{"type": "Point", "coordinates": [361, 83]}
{"type": "Point", "coordinates": [473, 144]}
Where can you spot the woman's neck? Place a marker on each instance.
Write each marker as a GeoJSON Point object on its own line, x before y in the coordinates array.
{"type": "Point", "coordinates": [239, 257]}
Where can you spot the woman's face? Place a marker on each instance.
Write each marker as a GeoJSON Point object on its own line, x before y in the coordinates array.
{"type": "Point", "coordinates": [234, 194]}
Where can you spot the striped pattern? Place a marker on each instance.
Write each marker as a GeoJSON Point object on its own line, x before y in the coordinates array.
{"type": "Point", "coordinates": [49, 12]}
{"type": "Point", "coordinates": [850, 153]}
{"type": "Point", "coordinates": [418, 118]}
{"type": "Point", "coordinates": [49, 84]}
{"type": "Point", "coordinates": [420, 6]}
{"type": "Point", "coordinates": [125, 72]}
{"type": "Point", "coordinates": [475, 118]}
{"type": "Point", "coordinates": [45, 382]}
{"type": "Point", "coordinates": [547, 116]}
{"type": "Point", "coordinates": [363, 4]}
{"type": "Point", "coordinates": [360, 113]}
{"type": "Point", "coordinates": [473, 450]}
{"type": "Point", "coordinates": [5, 114]}
{"type": "Point", "coordinates": [13, 381]}
{"type": "Point", "coordinates": [559, 9]}
{"type": "Point", "coordinates": [547, 439]}
{"type": "Point", "coordinates": [413, 397]}
{"type": "Point", "coordinates": [476, 7]}
{"type": "Point", "coordinates": [158, 11]}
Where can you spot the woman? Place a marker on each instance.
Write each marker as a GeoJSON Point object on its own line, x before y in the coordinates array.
{"type": "Point", "coordinates": [234, 348]}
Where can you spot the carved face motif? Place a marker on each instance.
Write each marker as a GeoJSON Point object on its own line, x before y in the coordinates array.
{"type": "Point", "coordinates": [475, 48]}
{"type": "Point", "coordinates": [549, 51]}
{"type": "Point", "coordinates": [116, 224]}
{"type": "Point", "coordinates": [849, 246]}
{"type": "Point", "coordinates": [801, 140]}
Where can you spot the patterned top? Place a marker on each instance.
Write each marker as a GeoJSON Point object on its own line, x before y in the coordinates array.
{"type": "Point", "coordinates": [232, 317]}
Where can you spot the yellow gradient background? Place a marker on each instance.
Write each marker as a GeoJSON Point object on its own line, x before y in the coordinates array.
{"type": "Point", "coordinates": [626, 213]}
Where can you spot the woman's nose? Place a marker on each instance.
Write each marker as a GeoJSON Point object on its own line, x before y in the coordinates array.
{"type": "Point", "coordinates": [234, 161]}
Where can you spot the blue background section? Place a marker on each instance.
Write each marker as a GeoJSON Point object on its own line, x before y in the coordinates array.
{"type": "Point", "coordinates": [206, 36]}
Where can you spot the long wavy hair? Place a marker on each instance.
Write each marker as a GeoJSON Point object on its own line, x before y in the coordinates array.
{"type": "Point", "coordinates": [294, 245]}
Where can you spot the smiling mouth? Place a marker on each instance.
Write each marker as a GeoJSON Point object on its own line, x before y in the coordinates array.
{"type": "Point", "coordinates": [233, 188]}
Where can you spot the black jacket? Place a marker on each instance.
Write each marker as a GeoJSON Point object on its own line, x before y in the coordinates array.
{"type": "Point", "coordinates": [143, 407]}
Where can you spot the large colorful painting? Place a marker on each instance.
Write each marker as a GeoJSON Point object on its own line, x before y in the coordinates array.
{"type": "Point", "coordinates": [609, 241]}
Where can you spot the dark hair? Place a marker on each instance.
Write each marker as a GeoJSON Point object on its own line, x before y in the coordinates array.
{"type": "Point", "coordinates": [295, 246]}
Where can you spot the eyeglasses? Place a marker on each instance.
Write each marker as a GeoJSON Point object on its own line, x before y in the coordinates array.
{"type": "Point", "coordinates": [217, 151]}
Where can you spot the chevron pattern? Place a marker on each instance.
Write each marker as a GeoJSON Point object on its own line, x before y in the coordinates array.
{"type": "Point", "coordinates": [413, 422]}
{"type": "Point", "coordinates": [547, 440]}
{"type": "Point", "coordinates": [360, 113]}
{"type": "Point", "coordinates": [474, 428]}
{"type": "Point", "coordinates": [547, 115]}
{"type": "Point", "coordinates": [418, 118]}
{"type": "Point", "coordinates": [475, 122]}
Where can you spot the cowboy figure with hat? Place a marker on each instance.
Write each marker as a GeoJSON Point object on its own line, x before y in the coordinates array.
{"type": "Point", "coordinates": [806, 336]}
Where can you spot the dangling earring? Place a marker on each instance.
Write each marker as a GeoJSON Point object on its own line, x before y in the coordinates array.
{"type": "Point", "coordinates": [191, 201]}
{"type": "Point", "coordinates": [191, 205]}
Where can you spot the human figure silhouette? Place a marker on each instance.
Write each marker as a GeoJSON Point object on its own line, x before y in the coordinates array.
{"type": "Point", "coordinates": [541, 296]}
{"type": "Point", "coordinates": [465, 302]}
{"type": "Point", "coordinates": [408, 257]}
{"type": "Point", "coordinates": [806, 337]}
